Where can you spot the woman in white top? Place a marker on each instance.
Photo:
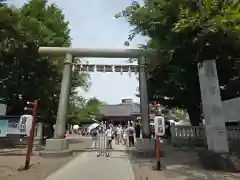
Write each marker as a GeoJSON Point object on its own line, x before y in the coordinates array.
{"type": "Point", "coordinates": [125, 135]}
{"type": "Point", "coordinates": [109, 135]}
{"type": "Point", "coordinates": [119, 133]}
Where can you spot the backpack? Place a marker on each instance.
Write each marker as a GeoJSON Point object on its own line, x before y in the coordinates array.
{"type": "Point", "coordinates": [94, 132]}
{"type": "Point", "coordinates": [131, 131]}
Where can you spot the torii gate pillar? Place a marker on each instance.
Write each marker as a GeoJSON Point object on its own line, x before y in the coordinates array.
{"type": "Point", "coordinates": [59, 143]}
{"type": "Point", "coordinates": [143, 98]}
{"type": "Point", "coordinates": [64, 98]}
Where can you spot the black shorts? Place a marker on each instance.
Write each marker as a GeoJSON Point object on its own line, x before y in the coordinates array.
{"type": "Point", "coordinates": [109, 142]}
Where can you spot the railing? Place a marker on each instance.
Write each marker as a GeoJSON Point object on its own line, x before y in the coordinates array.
{"type": "Point", "coordinates": [233, 133]}
{"type": "Point", "coordinates": [195, 135]}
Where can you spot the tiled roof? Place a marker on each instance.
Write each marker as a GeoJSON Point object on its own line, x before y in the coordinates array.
{"type": "Point", "coordinates": [119, 109]}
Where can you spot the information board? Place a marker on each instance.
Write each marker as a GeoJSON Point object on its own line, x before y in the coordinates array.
{"type": "Point", "coordinates": [3, 127]}
{"type": "Point", "coordinates": [13, 126]}
{"type": "Point", "coordinates": [20, 126]}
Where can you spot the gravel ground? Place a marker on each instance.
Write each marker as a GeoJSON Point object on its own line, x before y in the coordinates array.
{"type": "Point", "coordinates": [177, 166]}
{"type": "Point", "coordinates": [11, 160]}
{"type": "Point", "coordinates": [40, 169]}
{"type": "Point", "coordinates": [143, 171]}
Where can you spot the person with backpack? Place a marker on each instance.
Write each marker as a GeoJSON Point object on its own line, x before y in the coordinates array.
{"type": "Point", "coordinates": [131, 133]}
{"type": "Point", "coordinates": [94, 134]}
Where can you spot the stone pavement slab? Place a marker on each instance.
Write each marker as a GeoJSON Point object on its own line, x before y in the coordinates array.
{"type": "Point", "coordinates": [88, 166]}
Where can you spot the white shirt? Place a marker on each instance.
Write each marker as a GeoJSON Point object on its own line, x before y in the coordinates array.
{"type": "Point", "coordinates": [119, 130]}
{"type": "Point", "coordinates": [125, 131]}
{"type": "Point", "coordinates": [109, 133]}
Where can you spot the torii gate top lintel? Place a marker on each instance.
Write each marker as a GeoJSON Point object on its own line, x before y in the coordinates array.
{"type": "Point", "coordinates": [87, 52]}
{"type": "Point", "coordinates": [70, 53]}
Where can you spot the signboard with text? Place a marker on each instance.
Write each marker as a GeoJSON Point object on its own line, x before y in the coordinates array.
{"type": "Point", "coordinates": [159, 124]}
{"type": "Point", "coordinates": [25, 124]}
{"type": "Point", "coordinates": [20, 126]}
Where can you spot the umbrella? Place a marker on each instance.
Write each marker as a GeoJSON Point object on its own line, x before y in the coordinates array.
{"type": "Point", "coordinates": [92, 126]}
{"type": "Point", "coordinates": [76, 127]}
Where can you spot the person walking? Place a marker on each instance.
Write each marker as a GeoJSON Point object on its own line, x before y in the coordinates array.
{"type": "Point", "coordinates": [125, 135]}
{"type": "Point", "coordinates": [137, 130]}
{"type": "Point", "coordinates": [131, 133]}
{"type": "Point", "coordinates": [94, 134]}
{"type": "Point", "coordinates": [121, 136]}
{"type": "Point", "coordinates": [119, 132]}
{"type": "Point", "coordinates": [109, 135]}
{"type": "Point", "coordinates": [114, 129]}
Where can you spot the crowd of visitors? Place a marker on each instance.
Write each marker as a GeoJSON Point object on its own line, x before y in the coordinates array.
{"type": "Point", "coordinates": [121, 134]}
{"type": "Point", "coordinates": [124, 135]}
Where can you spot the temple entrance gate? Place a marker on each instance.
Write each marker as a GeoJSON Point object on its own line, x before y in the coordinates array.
{"type": "Point", "coordinates": [210, 92]}
{"type": "Point", "coordinates": [70, 53]}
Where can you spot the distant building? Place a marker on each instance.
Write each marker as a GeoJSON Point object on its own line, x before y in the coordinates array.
{"type": "Point", "coordinates": [120, 113]}
{"type": "Point", "coordinates": [231, 110]}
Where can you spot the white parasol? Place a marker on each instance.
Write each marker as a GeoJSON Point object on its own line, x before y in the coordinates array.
{"type": "Point", "coordinates": [92, 126]}
{"type": "Point", "coordinates": [75, 127]}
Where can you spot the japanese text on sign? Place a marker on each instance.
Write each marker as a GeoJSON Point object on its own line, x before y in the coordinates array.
{"type": "Point", "coordinates": [159, 124]}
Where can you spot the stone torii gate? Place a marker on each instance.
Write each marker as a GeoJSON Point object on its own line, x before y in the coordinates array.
{"type": "Point", "coordinates": [212, 105]}
{"type": "Point", "coordinates": [59, 143]}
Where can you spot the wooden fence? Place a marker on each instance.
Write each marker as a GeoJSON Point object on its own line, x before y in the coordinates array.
{"type": "Point", "coordinates": [195, 135]}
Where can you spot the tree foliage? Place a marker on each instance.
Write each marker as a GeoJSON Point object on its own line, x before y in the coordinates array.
{"type": "Point", "coordinates": [84, 114]}
{"type": "Point", "coordinates": [24, 74]}
{"type": "Point", "coordinates": [179, 114]}
{"type": "Point", "coordinates": [186, 33]}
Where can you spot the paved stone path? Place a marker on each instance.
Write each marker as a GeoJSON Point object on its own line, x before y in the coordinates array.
{"type": "Point", "coordinates": [88, 166]}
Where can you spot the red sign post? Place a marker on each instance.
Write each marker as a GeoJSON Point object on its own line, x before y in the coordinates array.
{"type": "Point", "coordinates": [31, 136]}
{"type": "Point", "coordinates": [158, 165]}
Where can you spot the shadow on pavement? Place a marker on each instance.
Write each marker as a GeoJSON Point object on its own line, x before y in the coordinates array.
{"type": "Point", "coordinates": [80, 144]}
{"type": "Point", "coordinates": [179, 163]}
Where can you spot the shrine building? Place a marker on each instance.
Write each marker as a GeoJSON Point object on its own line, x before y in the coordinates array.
{"type": "Point", "coordinates": [121, 113]}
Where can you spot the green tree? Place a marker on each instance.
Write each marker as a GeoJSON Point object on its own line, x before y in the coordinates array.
{"type": "Point", "coordinates": [83, 114]}
{"type": "Point", "coordinates": [179, 114]}
{"type": "Point", "coordinates": [24, 75]}
{"type": "Point", "coordinates": [185, 33]}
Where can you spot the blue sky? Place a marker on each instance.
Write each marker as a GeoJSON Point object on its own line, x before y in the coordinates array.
{"type": "Point", "coordinates": [93, 25]}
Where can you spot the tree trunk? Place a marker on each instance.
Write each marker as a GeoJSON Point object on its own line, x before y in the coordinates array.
{"type": "Point", "coordinates": [194, 113]}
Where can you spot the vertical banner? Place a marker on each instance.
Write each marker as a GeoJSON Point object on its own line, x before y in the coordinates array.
{"type": "Point", "coordinates": [25, 124]}
{"type": "Point", "coordinates": [159, 124]}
